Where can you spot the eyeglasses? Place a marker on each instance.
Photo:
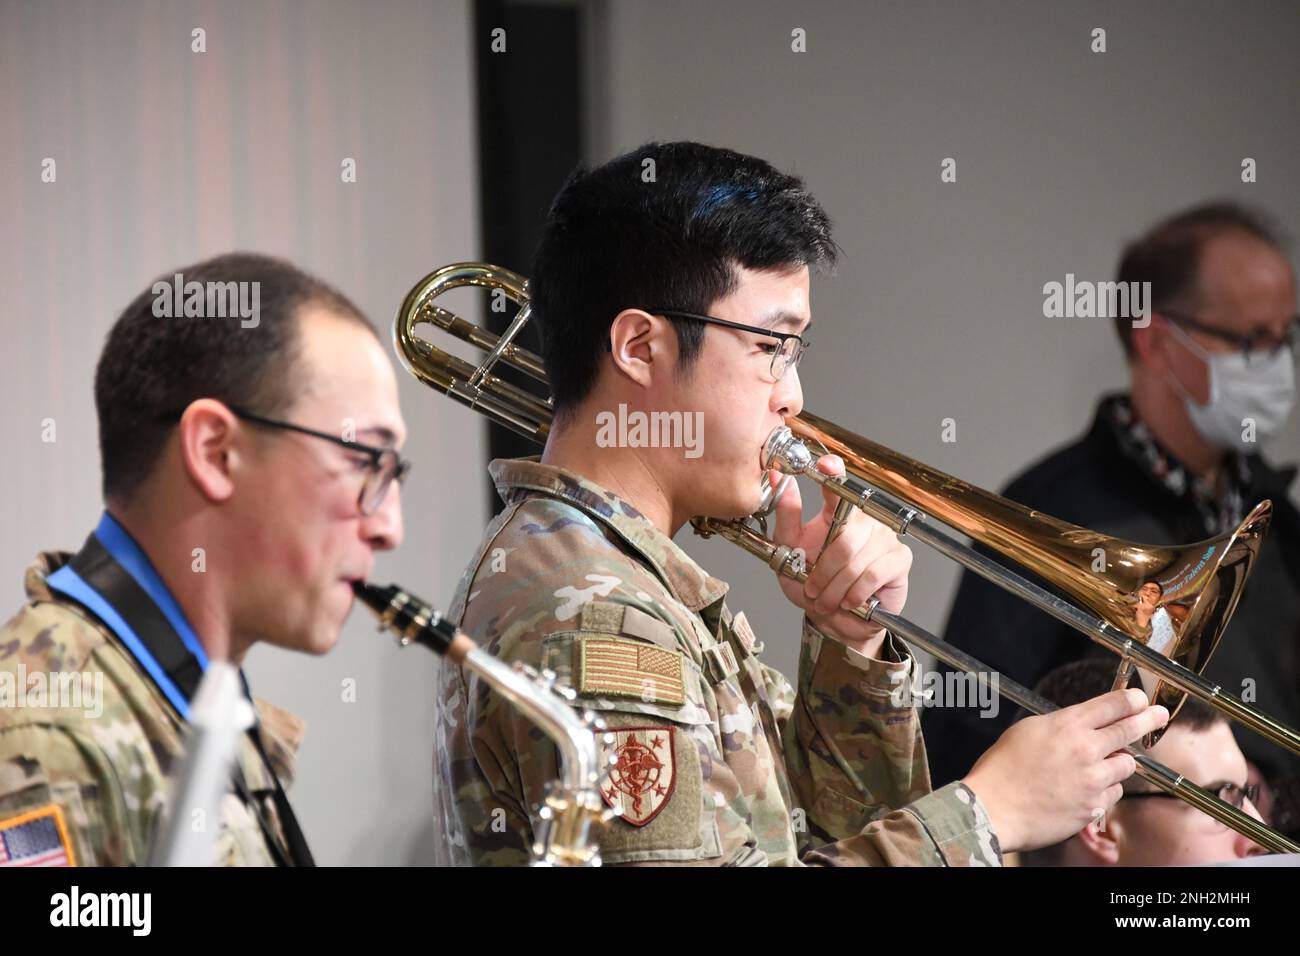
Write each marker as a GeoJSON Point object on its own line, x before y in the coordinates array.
{"type": "Point", "coordinates": [1229, 793]}
{"type": "Point", "coordinates": [383, 468]}
{"type": "Point", "coordinates": [1253, 348]}
{"type": "Point", "coordinates": [785, 355]}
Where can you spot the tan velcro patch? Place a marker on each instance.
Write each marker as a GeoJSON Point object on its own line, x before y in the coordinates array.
{"type": "Point", "coordinates": [611, 667]}
{"type": "Point", "coordinates": [679, 830]}
{"type": "Point", "coordinates": [639, 624]}
{"type": "Point", "coordinates": [603, 616]}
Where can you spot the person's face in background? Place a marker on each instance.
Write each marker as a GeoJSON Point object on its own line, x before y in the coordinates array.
{"type": "Point", "coordinates": [1166, 831]}
{"type": "Point", "coordinates": [1246, 287]}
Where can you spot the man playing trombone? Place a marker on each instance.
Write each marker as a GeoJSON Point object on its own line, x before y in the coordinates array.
{"type": "Point", "coordinates": [674, 280]}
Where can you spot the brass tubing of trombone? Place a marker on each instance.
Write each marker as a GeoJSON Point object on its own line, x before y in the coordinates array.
{"type": "Point", "coordinates": [906, 520]}
{"type": "Point", "coordinates": [503, 403]}
{"type": "Point", "coordinates": [471, 385]}
{"type": "Point", "coordinates": [778, 557]}
{"type": "Point", "coordinates": [1148, 769]}
{"type": "Point", "coordinates": [1062, 552]}
{"type": "Point", "coordinates": [450, 375]}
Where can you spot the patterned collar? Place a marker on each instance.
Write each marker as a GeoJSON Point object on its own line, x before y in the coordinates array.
{"type": "Point", "coordinates": [1220, 509]}
{"type": "Point", "coordinates": [691, 584]}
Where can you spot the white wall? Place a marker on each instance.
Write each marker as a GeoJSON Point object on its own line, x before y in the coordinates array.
{"type": "Point", "coordinates": [1062, 155]}
{"type": "Point", "coordinates": [165, 156]}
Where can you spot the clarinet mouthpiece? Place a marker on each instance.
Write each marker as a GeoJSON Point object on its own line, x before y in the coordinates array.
{"type": "Point", "coordinates": [410, 619]}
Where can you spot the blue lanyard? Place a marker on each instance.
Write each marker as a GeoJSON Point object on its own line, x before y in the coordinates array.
{"type": "Point", "coordinates": [113, 579]}
{"type": "Point", "coordinates": [124, 550]}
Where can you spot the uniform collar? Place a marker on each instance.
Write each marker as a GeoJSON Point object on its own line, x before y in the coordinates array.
{"type": "Point", "coordinates": [282, 730]}
{"type": "Point", "coordinates": [516, 478]}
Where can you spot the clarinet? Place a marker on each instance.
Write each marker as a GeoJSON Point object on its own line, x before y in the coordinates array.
{"type": "Point", "coordinates": [572, 808]}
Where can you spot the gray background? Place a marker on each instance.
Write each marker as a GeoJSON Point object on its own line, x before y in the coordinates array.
{"type": "Point", "coordinates": [1062, 156]}
{"type": "Point", "coordinates": [165, 156]}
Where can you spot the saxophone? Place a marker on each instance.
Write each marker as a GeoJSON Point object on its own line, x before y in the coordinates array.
{"type": "Point", "coordinates": [572, 809]}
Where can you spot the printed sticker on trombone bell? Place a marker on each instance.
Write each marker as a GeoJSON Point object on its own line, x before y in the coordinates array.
{"type": "Point", "coordinates": [638, 429]}
{"type": "Point", "coordinates": [208, 300]}
{"type": "Point", "coordinates": [1084, 299]}
{"type": "Point", "coordinates": [948, 689]}
{"type": "Point", "coordinates": [53, 690]}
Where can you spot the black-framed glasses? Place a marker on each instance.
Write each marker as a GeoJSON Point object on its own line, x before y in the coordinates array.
{"type": "Point", "coordinates": [1250, 346]}
{"type": "Point", "coordinates": [785, 356]}
{"type": "Point", "coordinates": [383, 469]}
{"type": "Point", "coordinates": [1229, 793]}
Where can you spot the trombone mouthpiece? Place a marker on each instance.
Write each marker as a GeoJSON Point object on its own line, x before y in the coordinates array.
{"type": "Point", "coordinates": [407, 616]}
{"type": "Point", "coordinates": [786, 453]}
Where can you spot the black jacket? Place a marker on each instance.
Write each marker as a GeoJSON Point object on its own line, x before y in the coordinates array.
{"type": "Point", "coordinates": [1094, 484]}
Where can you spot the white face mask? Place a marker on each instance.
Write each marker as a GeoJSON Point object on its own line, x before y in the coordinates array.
{"type": "Point", "coordinates": [1261, 390]}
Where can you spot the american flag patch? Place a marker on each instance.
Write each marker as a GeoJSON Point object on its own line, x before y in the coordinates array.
{"type": "Point", "coordinates": [609, 667]}
{"type": "Point", "coordinates": [36, 838]}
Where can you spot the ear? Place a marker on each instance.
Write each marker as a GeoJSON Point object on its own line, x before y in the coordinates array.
{"type": "Point", "coordinates": [207, 438]}
{"type": "Point", "coordinates": [1101, 839]}
{"type": "Point", "coordinates": [1149, 343]}
{"type": "Point", "coordinates": [642, 346]}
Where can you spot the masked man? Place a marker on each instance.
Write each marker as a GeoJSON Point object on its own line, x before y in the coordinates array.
{"type": "Point", "coordinates": [1173, 460]}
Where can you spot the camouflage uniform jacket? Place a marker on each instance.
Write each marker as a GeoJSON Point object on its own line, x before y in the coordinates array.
{"type": "Point", "coordinates": [717, 759]}
{"type": "Point", "coordinates": [105, 767]}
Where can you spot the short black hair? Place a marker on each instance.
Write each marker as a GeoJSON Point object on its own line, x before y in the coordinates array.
{"type": "Point", "coordinates": [664, 225]}
{"type": "Point", "coordinates": [153, 366]}
{"type": "Point", "coordinates": [1169, 255]}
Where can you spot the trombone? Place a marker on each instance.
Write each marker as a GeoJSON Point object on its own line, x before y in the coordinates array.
{"type": "Point", "coordinates": [1101, 576]}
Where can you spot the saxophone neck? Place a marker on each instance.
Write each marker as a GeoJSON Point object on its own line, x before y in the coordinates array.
{"type": "Point", "coordinates": [572, 804]}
